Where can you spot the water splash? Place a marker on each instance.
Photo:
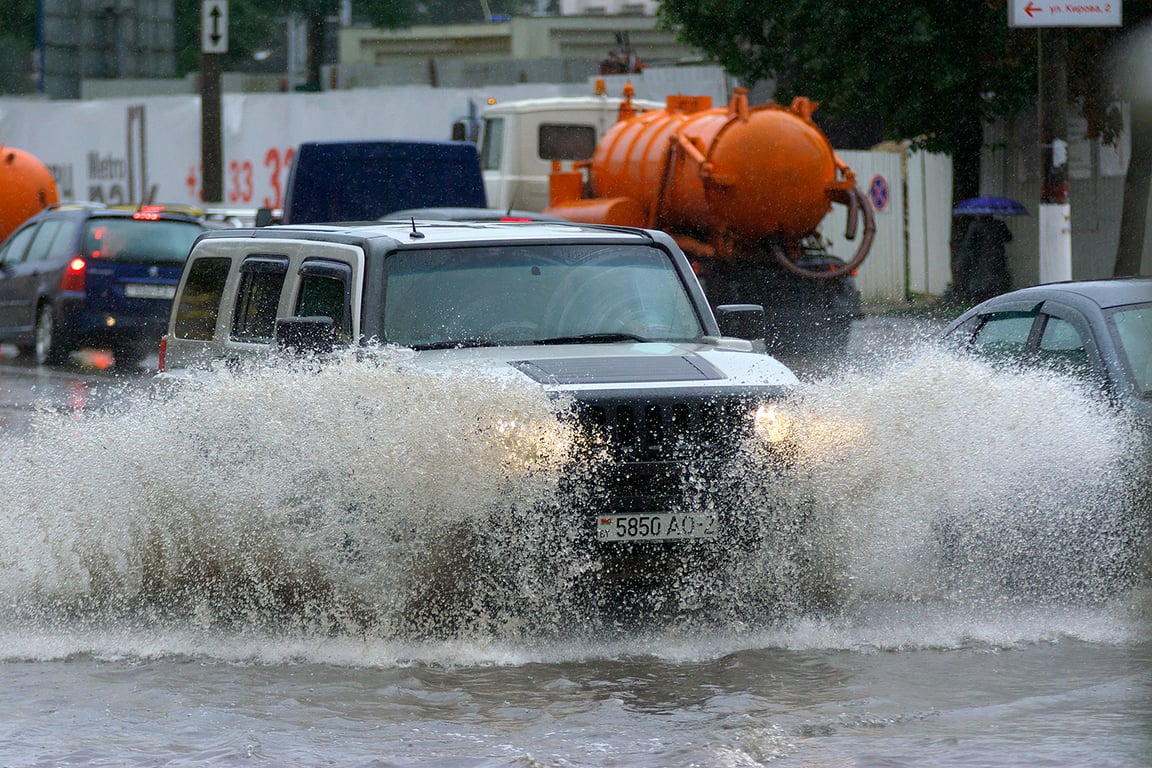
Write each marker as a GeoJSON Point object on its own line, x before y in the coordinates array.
{"type": "Point", "coordinates": [371, 501]}
{"type": "Point", "coordinates": [954, 478]}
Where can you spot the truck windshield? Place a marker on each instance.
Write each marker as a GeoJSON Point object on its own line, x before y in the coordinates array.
{"type": "Point", "coordinates": [526, 294]}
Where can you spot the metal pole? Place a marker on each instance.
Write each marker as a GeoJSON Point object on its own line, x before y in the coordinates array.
{"type": "Point", "coordinates": [1055, 207]}
{"type": "Point", "coordinates": [211, 136]}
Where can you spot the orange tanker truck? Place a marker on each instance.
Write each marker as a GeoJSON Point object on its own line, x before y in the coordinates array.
{"type": "Point", "coordinates": [26, 188]}
{"type": "Point", "coordinates": [743, 190]}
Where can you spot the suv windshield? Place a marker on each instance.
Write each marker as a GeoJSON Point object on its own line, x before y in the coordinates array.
{"type": "Point", "coordinates": [139, 241]}
{"type": "Point", "coordinates": [535, 294]}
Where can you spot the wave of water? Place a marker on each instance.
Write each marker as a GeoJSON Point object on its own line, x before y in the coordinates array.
{"type": "Point", "coordinates": [347, 514]}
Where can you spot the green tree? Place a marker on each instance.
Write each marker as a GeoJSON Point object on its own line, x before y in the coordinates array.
{"type": "Point", "coordinates": [17, 41]}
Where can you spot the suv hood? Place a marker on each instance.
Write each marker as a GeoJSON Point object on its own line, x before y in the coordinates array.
{"type": "Point", "coordinates": [590, 367]}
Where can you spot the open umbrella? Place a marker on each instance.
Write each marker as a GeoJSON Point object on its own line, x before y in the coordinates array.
{"type": "Point", "coordinates": [996, 206]}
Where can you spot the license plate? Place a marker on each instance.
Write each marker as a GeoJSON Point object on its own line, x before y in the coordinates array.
{"type": "Point", "coordinates": [149, 291]}
{"type": "Point", "coordinates": [662, 526]}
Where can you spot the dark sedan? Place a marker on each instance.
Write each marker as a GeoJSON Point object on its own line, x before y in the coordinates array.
{"type": "Point", "coordinates": [85, 274]}
{"type": "Point", "coordinates": [1098, 330]}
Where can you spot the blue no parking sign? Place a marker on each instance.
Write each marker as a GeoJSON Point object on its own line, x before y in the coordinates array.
{"type": "Point", "coordinates": [878, 192]}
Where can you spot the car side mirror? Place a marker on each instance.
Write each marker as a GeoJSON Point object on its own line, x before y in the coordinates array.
{"type": "Point", "coordinates": [304, 335]}
{"type": "Point", "coordinates": [742, 321]}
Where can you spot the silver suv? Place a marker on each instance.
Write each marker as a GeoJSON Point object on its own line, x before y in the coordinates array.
{"type": "Point", "coordinates": [612, 319]}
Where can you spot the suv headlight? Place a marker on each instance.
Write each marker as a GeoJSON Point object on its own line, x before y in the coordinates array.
{"type": "Point", "coordinates": [797, 432]}
{"type": "Point", "coordinates": [773, 425]}
{"type": "Point", "coordinates": [533, 445]}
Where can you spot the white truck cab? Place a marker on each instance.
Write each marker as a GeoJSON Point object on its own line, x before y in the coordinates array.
{"type": "Point", "coordinates": [519, 140]}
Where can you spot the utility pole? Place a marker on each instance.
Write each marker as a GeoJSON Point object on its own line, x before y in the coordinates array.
{"type": "Point", "coordinates": [1051, 21]}
{"type": "Point", "coordinates": [1055, 206]}
{"type": "Point", "coordinates": [213, 42]}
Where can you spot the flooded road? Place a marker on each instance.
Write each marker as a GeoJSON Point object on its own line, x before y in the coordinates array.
{"type": "Point", "coordinates": [221, 579]}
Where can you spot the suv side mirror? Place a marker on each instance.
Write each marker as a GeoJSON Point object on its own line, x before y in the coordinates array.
{"type": "Point", "coordinates": [743, 321]}
{"type": "Point", "coordinates": [265, 216]}
{"type": "Point", "coordinates": [315, 334]}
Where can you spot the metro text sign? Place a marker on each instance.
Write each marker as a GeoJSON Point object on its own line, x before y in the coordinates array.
{"type": "Point", "coordinates": [1046, 13]}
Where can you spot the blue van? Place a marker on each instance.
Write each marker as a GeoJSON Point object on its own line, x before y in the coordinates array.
{"type": "Point", "coordinates": [86, 275]}
{"type": "Point", "coordinates": [364, 180]}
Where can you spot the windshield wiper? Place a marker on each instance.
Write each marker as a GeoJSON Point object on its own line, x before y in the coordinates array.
{"type": "Point", "coordinates": [592, 338]}
{"type": "Point", "coordinates": [456, 344]}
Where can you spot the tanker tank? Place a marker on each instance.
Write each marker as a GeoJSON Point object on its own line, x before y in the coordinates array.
{"type": "Point", "coordinates": [26, 188]}
{"type": "Point", "coordinates": [743, 190]}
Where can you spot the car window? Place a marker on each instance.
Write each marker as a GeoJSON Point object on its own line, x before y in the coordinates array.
{"type": "Point", "coordinates": [41, 246]}
{"type": "Point", "coordinates": [16, 247]}
{"type": "Point", "coordinates": [325, 291]}
{"type": "Point", "coordinates": [1004, 335]}
{"type": "Point", "coordinates": [566, 142]}
{"type": "Point", "coordinates": [63, 245]}
{"type": "Point", "coordinates": [492, 149]}
{"type": "Point", "coordinates": [533, 293]}
{"type": "Point", "coordinates": [199, 305]}
{"type": "Point", "coordinates": [1133, 333]}
{"type": "Point", "coordinates": [261, 281]}
{"type": "Point", "coordinates": [1063, 348]}
{"type": "Point", "coordinates": [140, 241]}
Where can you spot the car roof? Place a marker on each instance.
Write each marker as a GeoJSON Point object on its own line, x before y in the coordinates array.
{"type": "Point", "coordinates": [83, 209]}
{"type": "Point", "coordinates": [423, 233]}
{"type": "Point", "coordinates": [1106, 292]}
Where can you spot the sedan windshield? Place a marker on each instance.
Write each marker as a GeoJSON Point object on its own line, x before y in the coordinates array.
{"type": "Point", "coordinates": [1134, 339]}
{"type": "Point", "coordinates": [528, 294]}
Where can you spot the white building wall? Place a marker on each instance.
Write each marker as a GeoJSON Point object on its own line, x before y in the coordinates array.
{"type": "Point", "coordinates": [608, 7]}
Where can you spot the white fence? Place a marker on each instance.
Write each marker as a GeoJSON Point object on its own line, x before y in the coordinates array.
{"type": "Point", "coordinates": [911, 197]}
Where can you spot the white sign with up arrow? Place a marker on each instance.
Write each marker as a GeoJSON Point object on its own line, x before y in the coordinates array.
{"type": "Point", "coordinates": [214, 26]}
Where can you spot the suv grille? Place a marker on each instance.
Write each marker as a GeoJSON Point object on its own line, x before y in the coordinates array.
{"type": "Point", "coordinates": [657, 454]}
{"type": "Point", "coordinates": [654, 430]}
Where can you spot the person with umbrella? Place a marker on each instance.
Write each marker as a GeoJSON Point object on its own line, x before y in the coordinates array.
{"type": "Point", "coordinates": [980, 269]}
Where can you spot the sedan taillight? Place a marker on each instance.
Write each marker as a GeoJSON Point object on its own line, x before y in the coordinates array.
{"type": "Point", "coordinates": [73, 277]}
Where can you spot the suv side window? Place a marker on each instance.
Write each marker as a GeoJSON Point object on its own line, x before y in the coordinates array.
{"type": "Point", "coordinates": [200, 303]}
{"type": "Point", "coordinates": [261, 281]}
{"type": "Point", "coordinates": [17, 246]}
{"type": "Point", "coordinates": [325, 291]}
